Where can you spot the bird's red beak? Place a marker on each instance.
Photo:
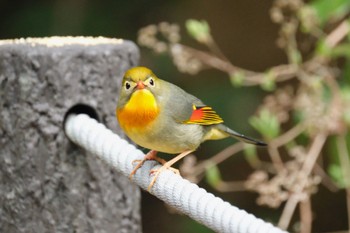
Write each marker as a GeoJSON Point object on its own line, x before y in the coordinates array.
{"type": "Point", "coordinates": [140, 85]}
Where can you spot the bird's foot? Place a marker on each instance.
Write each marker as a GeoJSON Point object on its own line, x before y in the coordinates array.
{"type": "Point", "coordinates": [165, 166]}
{"type": "Point", "coordinates": [151, 155]}
{"type": "Point", "coordinates": [156, 173]}
{"type": "Point", "coordinates": [139, 162]}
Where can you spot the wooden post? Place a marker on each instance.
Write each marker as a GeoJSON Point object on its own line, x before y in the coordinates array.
{"type": "Point", "coordinates": [47, 184]}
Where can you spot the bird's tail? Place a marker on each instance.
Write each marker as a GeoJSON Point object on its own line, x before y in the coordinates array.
{"type": "Point", "coordinates": [241, 137]}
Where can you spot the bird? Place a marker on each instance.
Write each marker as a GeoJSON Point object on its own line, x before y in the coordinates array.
{"type": "Point", "coordinates": [160, 116]}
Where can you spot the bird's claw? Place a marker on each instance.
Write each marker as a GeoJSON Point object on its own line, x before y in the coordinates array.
{"type": "Point", "coordinates": [176, 171]}
{"type": "Point", "coordinates": [156, 173]}
{"type": "Point", "coordinates": [140, 163]}
{"type": "Point", "coordinates": [136, 161]}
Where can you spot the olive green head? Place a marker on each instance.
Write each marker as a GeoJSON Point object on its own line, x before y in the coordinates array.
{"type": "Point", "coordinates": [136, 79]}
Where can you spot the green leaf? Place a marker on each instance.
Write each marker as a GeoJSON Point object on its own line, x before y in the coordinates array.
{"type": "Point", "coordinates": [213, 175]}
{"type": "Point", "coordinates": [237, 78]}
{"type": "Point", "coordinates": [249, 150]}
{"type": "Point", "coordinates": [334, 170]}
{"type": "Point", "coordinates": [295, 57]}
{"type": "Point", "coordinates": [198, 29]}
{"type": "Point", "coordinates": [251, 156]}
{"type": "Point", "coordinates": [345, 94]}
{"type": "Point", "coordinates": [327, 9]}
{"type": "Point", "coordinates": [342, 50]}
{"type": "Point", "coordinates": [268, 83]}
{"type": "Point", "coordinates": [345, 79]}
{"type": "Point", "coordinates": [308, 19]}
{"type": "Point", "coordinates": [266, 123]}
{"type": "Point", "coordinates": [346, 116]}
{"type": "Point", "coordinates": [322, 49]}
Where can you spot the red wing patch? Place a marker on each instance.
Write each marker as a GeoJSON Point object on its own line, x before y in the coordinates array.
{"type": "Point", "coordinates": [204, 115]}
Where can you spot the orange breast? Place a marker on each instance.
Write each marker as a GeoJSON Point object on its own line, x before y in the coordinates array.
{"type": "Point", "coordinates": [139, 112]}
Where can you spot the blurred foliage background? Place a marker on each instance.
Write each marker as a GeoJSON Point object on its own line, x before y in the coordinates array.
{"type": "Point", "coordinates": [284, 77]}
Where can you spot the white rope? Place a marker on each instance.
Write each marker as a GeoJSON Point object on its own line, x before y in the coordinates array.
{"type": "Point", "coordinates": [187, 197]}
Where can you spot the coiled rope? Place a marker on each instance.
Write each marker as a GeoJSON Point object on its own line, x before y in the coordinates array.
{"type": "Point", "coordinates": [179, 193]}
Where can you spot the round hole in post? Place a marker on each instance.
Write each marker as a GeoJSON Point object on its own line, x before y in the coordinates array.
{"type": "Point", "coordinates": [80, 109]}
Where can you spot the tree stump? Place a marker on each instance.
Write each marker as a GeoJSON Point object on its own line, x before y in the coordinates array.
{"type": "Point", "coordinates": [47, 183]}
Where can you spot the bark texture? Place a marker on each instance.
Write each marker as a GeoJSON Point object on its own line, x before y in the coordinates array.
{"type": "Point", "coordinates": [47, 184]}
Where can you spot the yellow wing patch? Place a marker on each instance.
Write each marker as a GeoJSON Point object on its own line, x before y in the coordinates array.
{"type": "Point", "coordinates": [204, 115]}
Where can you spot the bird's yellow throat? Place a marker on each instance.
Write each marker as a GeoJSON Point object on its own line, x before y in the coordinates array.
{"type": "Point", "coordinates": [139, 111]}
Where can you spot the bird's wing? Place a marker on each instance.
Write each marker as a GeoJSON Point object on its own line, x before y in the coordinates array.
{"type": "Point", "coordinates": [203, 115]}
{"type": "Point", "coordinates": [188, 109]}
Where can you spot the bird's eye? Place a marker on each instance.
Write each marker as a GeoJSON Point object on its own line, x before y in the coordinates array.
{"type": "Point", "coordinates": [151, 82]}
{"type": "Point", "coordinates": [127, 85]}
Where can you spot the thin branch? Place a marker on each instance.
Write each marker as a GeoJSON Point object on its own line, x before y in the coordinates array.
{"type": "Point", "coordinates": [344, 159]}
{"type": "Point", "coordinates": [214, 48]}
{"type": "Point", "coordinates": [345, 168]}
{"type": "Point", "coordinates": [218, 158]}
{"type": "Point", "coordinates": [213, 61]}
{"type": "Point", "coordinates": [288, 211]}
{"type": "Point", "coordinates": [313, 154]}
{"type": "Point", "coordinates": [305, 215]}
{"type": "Point", "coordinates": [282, 140]}
{"type": "Point", "coordinates": [288, 136]}
{"type": "Point", "coordinates": [281, 72]}
{"type": "Point", "coordinates": [307, 167]}
{"type": "Point", "coordinates": [232, 186]}
{"type": "Point", "coordinates": [338, 34]}
{"type": "Point", "coordinates": [276, 158]}
{"type": "Point", "coordinates": [326, 180]}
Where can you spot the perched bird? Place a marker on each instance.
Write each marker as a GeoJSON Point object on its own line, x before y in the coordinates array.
{"type": "Point", "coordinates": [161, 116]}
